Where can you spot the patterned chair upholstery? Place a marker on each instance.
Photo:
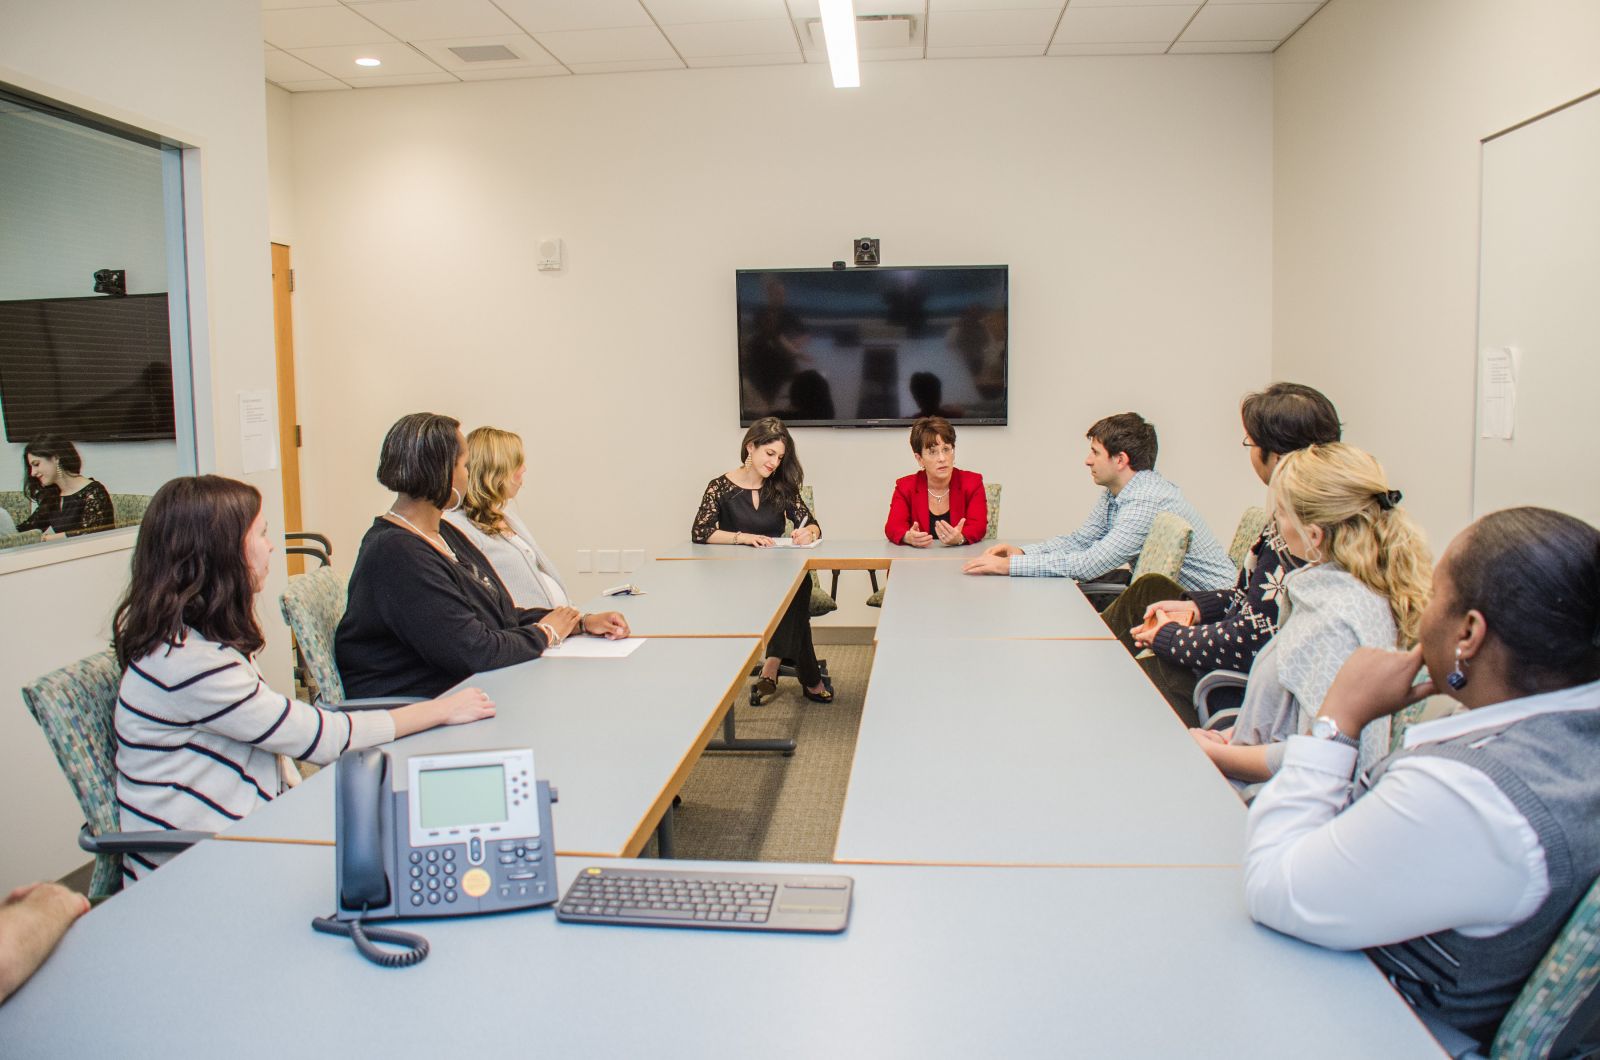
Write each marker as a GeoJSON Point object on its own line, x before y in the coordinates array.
{"type": "Point", "coordinates": [822, 602]}
{"type": "Point", "coordinates": [129, 508]}
{"type": "Point", "coordinates": [15, 502]}
{"type": "Point", "coordinates": [1251, 524]}
{"type": "Point", "coordinates": [1165, 547]}
{"type": "Point", "coordinates": [74, 705]}
{"type": "Point", "coordinates": [1558, 1004]}
{"type": "Point", "coordinates": [991, 495]}
{"type": "Point", "coordinates": [313, 604]}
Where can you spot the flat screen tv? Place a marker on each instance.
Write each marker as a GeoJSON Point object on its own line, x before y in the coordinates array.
{"type": "Point", "coordinates": [873, 347]}
{"type": "Point", "coordinates": [87, 369]}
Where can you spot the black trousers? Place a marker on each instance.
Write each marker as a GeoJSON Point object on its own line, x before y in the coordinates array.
{"type": "Point", "coordinates": [792, 639]}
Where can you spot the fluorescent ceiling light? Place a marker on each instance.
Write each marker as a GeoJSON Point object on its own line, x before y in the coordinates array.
{"type": "Point", "coordinates": [839, 30]}
{"type": "Point", "coordinates": [368, 61]}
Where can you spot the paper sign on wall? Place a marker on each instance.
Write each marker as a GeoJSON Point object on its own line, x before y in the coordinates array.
{"type": "Point", "coordinates": [1497, 392]}
{"type": "Point", "coordinates": [258, 431]}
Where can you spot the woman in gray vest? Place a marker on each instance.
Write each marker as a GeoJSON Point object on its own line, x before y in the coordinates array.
{"type": "Point", "coordinates": [1456, 861]}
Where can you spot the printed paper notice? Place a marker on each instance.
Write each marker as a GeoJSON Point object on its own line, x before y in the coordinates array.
{"type": "Point", "coordinates": [1497, 392]}
{"type": "Point", "coordinates": [788, 542]}
{"type": "Point", "coordinates": [258, 431]}
{"type": "Point", "coordinates": [594, 648]}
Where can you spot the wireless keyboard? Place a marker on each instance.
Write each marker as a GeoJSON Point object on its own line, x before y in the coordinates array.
{"type": "Point", "coordinates": [742, 901]}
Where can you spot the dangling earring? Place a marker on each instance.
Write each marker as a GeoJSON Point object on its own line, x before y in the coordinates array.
{"type": "Point", "coordinates": [1457, 678]}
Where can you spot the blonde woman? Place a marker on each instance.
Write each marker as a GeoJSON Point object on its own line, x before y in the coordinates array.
{"type": "Point", "coordinates": [495, 470]}
{"type": "Point", "coordinates": [1364, 584]}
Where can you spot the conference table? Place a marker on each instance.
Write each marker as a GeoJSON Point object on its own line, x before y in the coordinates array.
{"type": "Point", "coordinates": [1045, 864]}
{"type": "Point", "coordinates": [215, 955]}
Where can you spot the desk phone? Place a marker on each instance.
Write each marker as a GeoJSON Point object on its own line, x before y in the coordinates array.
{"type": "Point", "coordinates": [470, 833]}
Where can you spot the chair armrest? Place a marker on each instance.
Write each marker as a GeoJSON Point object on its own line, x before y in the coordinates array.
{"type": "Point", "coordinates": [306, 535]}
{"type": "Point", "coordinates": [1102, 588]}
{"type": "Point", "coordinates": [155, 842]}
{"type": "Point", "coordinates": [376, 703]}
{"type": "Point", "coordinates": [1210, 685]}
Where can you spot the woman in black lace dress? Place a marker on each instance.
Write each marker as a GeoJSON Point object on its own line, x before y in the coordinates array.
{"type": "Point", "coordinates": [65, 501]}
{"type": "Point", "coordinates": [747, 506]}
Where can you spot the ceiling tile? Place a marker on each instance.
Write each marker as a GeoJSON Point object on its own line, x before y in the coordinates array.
{"type": "Point", "coordinates": [785, 59]}
{"type": "Point", "coordinates": [1116, 25]}
{"type": "Point", "coordinates": [706, 39]}
{"type": "Point", "coordinates": [403, 79]}
{"type": "Point", "coordinates": [631, 44]}
{"type": "Point", "coordinates": [279, 5]}
{"type": "Point", "coordinates": [552, 16]}
{"type": "Point", "coordinates": [318, 27]}
{"type": "Point", "coordinates": [985, 51]}
{"type": "Point", "coordinates": [986, 28]}
{"type": "Point", "coordinates": [398, 61]}
{"type": "Point", "coordinates": [1215, 47]}
{"type": "Point", "coordinates": [676, 12]}
{"type": "Point", "coordinates": [528, 52]}
{"type": "Point", "coordinates": [1225, 22]}
{"type": "Point", "coordinates": [281, 67]}
{"type": "Point", "coordinates": [936, 6]}
{"type": "Point", "coordinates": [1106, 49]}
{"type": "Point", "coordinates": [799, 9]}
{"type": "Point", "coordinates": [1228, 3]}
{"type": "Point", "coordinates": [627, 67]}
{"type": "Point", "coordinates": [327, 84]}
{"type": "Point", "coordinates": [1135, 3]}
{"type": "Point", "coordinates": [435, 19]}
{"type": "Point", "coordinates": [507, 73]}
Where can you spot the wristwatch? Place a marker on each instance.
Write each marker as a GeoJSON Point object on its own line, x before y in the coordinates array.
{"type": "Point", "coordinates": [1325, 728]}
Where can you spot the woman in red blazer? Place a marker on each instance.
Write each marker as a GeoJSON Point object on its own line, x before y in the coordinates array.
{"type": "Point", "coordinates": [941, 504]}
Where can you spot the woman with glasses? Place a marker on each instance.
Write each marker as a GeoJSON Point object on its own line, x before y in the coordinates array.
{"type": "Point", "coordinates": [940, 504]}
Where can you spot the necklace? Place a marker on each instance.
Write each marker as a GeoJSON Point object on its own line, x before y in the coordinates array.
{"type": "Point", "coordinates": [939, 495]}
{"type": "Point", "coordinates": [446, 549]}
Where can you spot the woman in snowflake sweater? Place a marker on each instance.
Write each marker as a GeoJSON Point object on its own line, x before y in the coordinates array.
{"type": "Point", "coordinates": [1226, 627]}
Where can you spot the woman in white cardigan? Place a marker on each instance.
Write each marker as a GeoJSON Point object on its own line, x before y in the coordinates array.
{"type": "Point", "coordinates": [495, 470]}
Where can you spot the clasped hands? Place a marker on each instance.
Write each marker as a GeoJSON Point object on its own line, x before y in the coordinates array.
{"type": "Point", "coordinates": [608, 624]}
{"type": "Point", "coordinates": [917, 537]}
{"type": "Point", "coordinates": [1161, 613]}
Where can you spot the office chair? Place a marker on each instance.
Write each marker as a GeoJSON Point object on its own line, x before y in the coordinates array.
{"type": "Point", "coordinates": [1558, 1012]}
{"type": "Point", "coordinates": [74, 706]}
{"type": "Point", "coordinates": [320, 548]}
{"type": "Point", "coordinates": [1165, 548]}
{"type": "Point", "coordinates": [313, 604]}
{"type": "Point", "coordinates": [991, 496]}
{"type": "Point", "coordinates": [822, 602]}
{"type": "Point", "coordinates": [1251, 523]}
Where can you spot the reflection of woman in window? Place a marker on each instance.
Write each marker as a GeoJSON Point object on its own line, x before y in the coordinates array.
{"type": "Point", "coordinates": [65, 501]}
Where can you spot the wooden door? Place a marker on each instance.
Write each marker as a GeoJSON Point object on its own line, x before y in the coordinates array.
{"type": "Point", "coordinates": [288, 420]}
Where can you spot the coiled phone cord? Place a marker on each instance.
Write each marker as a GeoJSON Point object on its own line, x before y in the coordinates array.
{"type": "Point", "coordinates": [365, 938]}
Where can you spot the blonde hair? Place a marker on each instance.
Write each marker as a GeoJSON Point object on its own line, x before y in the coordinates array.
{"type": "Point", "coordinates": [493, 456]}
{"type": "Point", "coordinates": [1344, 491]}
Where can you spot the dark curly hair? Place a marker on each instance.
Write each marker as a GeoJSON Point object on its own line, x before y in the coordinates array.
{"type": "Point", "coordinates": [784, 484]}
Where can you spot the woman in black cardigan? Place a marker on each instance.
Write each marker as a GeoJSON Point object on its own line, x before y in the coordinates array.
{"type": "Point", "coordinates": [425, 609]}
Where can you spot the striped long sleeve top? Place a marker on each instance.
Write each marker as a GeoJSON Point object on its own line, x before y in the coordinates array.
{"type": "Point", "coordinates": [198, 732]}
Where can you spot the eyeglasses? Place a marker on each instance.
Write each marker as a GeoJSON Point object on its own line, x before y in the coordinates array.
{"type": "Point", "coordinates": [1249, 443]}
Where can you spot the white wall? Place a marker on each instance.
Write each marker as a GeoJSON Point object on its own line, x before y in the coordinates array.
{"type": "Point", "coordinates": [1379, 108]}
{"type": "Point", "coordinates": [1131, 198]}
{"type": "Point", "coordinates": [191, 69]}
{"type": "Point", "coordinates": [73, 200]}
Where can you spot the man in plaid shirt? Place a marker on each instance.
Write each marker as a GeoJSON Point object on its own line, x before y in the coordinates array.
{"type": "Point", "coordinates": [1122, 458]}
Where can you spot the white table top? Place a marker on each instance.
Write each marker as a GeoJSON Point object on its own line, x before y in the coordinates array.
{"type": "Point", "coordinates": [935, 599]}
{"type": "Point", "coordinates": [215, 953]}
{"type": "Point", "coordinates": [706, 599]}
{"type": "Point", "coordinates": [876, 552]}
{"type": "Point", "coordinates": [1029, 752]}
{"type": "Point", "coordinates": [617, 737]}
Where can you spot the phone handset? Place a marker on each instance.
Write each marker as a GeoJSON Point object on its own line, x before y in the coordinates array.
{"type": "Point", "coordinates": [363, 834]}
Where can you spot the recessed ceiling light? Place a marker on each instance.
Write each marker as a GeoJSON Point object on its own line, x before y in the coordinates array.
{"type": "Point", "coordinates": [839, 30]}
{"type": "Point", "coordinates": [369, 61]}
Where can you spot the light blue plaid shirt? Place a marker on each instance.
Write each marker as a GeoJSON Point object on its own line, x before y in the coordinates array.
{"type": "Point", "coordinates": [1115, 532]}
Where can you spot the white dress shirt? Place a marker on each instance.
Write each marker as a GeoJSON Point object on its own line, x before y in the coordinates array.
{"type": "Point", "coordinates": [1434, 846]}
{"type": "Point", "coordinates": [524, 569]}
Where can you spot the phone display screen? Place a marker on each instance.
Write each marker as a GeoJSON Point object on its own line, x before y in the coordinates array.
{"type": "Point", "coordinates": [448, 798]}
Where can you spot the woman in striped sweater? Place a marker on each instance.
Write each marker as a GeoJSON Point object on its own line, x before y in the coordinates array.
{"type": "Point", "coordinates": [198, 730]}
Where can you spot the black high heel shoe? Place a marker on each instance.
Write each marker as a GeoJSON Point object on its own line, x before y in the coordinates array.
{"type": "Point", "coordinates": [762, 690]}
{"type": "Point", "coordinates": [825, 696]}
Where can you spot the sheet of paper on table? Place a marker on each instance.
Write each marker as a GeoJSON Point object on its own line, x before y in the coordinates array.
{"type": "Point", "coordinates": [594, 648]}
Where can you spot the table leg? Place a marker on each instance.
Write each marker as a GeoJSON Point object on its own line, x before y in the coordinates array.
{"type": "Point", "coordinates": [731, 742]}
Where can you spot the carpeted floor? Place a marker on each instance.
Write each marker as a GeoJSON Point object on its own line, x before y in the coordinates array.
{"type": "Point", "coordinates": [765, 807]}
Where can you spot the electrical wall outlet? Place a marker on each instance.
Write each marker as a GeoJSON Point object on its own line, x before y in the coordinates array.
{"type": "Point", "coordinates": [585, 561]}
{"type": "Point", "coordinates": [605, 560]}
{"type": "Point", "coordinates": [632, 559]}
